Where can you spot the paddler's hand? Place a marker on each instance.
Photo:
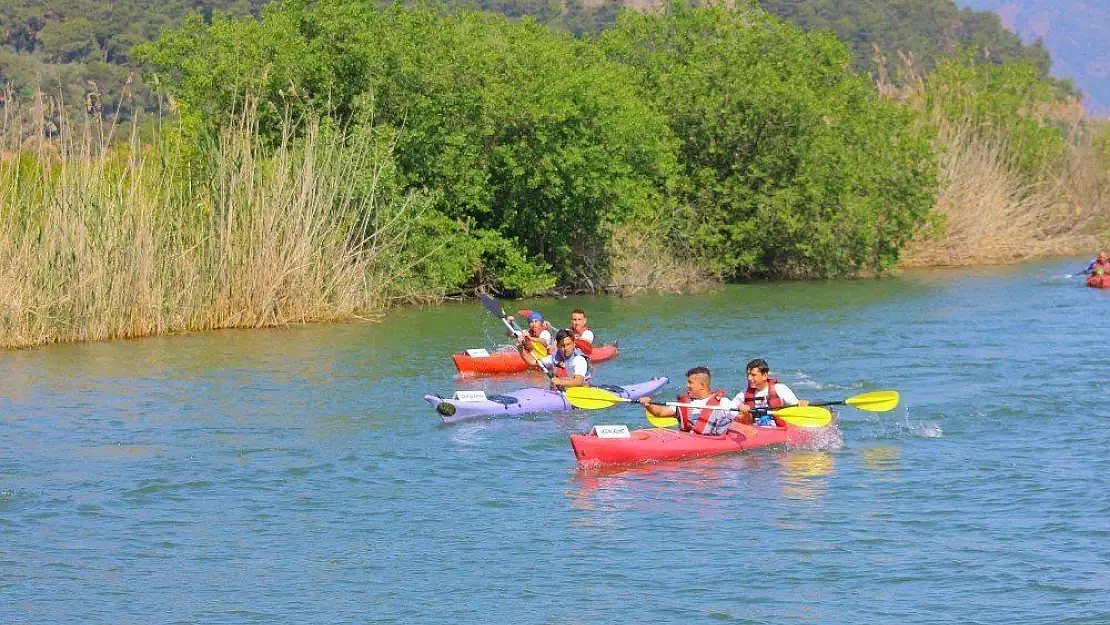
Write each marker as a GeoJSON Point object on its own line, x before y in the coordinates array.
{"type": "Point", "coordinates": [645, 402]}
{"type": "Point", "coordinates": [803, 402]}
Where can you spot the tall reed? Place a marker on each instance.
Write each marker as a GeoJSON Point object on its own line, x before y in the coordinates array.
{"type": "Point", "coordinates": [103, 239]}
{"type": "Point", "coordinates": [988, 209]}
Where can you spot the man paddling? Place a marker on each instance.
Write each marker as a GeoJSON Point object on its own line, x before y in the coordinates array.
{"type": "Point", "coordinates": [537, 331]}
{"type": "Point", "coordinates": [764, 393]}
{"type": "Point", "coordinates": [567, 366]}
{"type": "Point", "coordinates": [1100, 265]}
{"type": "Point", "coordinates": [713, 420]}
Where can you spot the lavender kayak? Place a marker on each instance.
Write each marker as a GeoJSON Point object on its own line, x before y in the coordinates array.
{"type": "Point", "coordinates": [527, 400]}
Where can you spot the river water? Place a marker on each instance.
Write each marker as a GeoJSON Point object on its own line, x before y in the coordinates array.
{"type": "Point", "coordinates": [295, 475]}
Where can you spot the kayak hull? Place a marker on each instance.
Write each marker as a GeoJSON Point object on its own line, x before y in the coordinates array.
{"type": "Point", "coordinates": [1099, 281]}
{"type": "Point", "coordinates": [527, 400]}
{"type": "Point", "coordinates": [511, 362]}
{"type": "Point", "coordinates": [659, 445]}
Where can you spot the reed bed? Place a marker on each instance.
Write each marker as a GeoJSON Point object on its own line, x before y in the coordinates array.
{"type": "Point", "coordinates": [102, 238]}
{"type": "Point", "coordinates": [988, 211]}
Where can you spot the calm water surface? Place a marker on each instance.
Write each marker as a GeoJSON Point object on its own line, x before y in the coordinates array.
{"type": "Point", "coordinates": [295, 476]}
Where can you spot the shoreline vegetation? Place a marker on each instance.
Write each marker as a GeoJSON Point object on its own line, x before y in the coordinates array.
{"type": "Point", "coordinates": [330, 160]}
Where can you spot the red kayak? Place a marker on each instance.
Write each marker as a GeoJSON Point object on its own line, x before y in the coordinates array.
{"type": "Point", "coordinates": [661, 444]}
{"type": "Point", "coordinates": [1099, 281]}
{"type": "Point", "coordinates": [511, 362]}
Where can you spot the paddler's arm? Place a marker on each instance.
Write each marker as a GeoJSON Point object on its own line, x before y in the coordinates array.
{"type": "Point", "coordinates": [566, 381]}
{"type": "Point", "coordinates": [527, 355]}
{"type": "Point", "coordinates": [656, 411]}
{"type": "Point", "coordinates": [788, 396]}
{"type": "Point", "coordinates": [743, 412]}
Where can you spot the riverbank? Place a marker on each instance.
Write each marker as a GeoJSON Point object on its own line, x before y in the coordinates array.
{"type": "Point", "coordinates": [583, 166]}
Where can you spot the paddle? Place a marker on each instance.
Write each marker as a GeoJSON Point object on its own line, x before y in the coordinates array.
{"type": "Point", "coordinates": [801, 416]}
{"type": "Point", "coordinates": [591, 398]}
{"type": "Point", "coordinates": [539, 350]}
{"type": "Point", "coordinates": [877, 401]}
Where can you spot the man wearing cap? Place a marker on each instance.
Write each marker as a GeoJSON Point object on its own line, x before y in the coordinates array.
{"type": "Point", "coordinates": [537, 331]}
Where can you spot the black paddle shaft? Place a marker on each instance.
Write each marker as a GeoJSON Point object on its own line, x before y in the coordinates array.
{"type": "Point", "coordinates": [828, 403]}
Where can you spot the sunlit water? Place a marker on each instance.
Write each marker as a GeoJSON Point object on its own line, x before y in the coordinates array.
{"type": "Point", "coordinates": [295, 476]}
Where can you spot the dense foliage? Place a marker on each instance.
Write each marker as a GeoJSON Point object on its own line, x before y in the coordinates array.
{"type": "Point", "coordinates": [80, 49]}
{"type": "Point", "coordinates": [533, 143]}
{"type": "Point", "coordinates": [536, 144]}
{"type": "Point", "coordinates": [1010, 103]}
{"type": "Point", "coordinates": [793, 164]}
{"type": "Point", "coordinates": [728, 137]}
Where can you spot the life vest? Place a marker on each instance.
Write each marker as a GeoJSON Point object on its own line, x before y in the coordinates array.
{"type": "Point", "coordinates": [773, 400]}
{"type": "Point", "coordinates": [560, 364]}
{"type": "Point", "coordinates": [583, 345]}
{"type": "Point", "coordinates": [705, 416]}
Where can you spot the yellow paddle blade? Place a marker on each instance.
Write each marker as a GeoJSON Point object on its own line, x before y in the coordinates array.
{"type": "Point", "coordinates": [878, 401]}
{"type": "Point", "coordinates": [590, 398]}
{"type": "Point", "coordinates": [805, 416]}
{"type": "Point", "coordinates": [539, 350]}
{"type": "Point", "coordinates": [660, 422]}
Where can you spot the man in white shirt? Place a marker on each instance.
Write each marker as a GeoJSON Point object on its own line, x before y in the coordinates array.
{"type": "Point", "coordinates": [763, 394]}
{"type": "Point", "coordinates": [713, 420]}
{"type": "Point", "coordinates": [566, 365]}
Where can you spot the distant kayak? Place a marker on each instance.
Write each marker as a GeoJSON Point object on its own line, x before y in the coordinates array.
{"type": "Point", "coordinates": [1099, 281]}
{"type": "Point", "coordinates": [662, 444]}
{"type": "Point", "coordinates": [525, 401]}
{"type": "Point", "coordinates": [511, 362]}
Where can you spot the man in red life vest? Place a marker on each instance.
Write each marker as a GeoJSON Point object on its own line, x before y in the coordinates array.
{"type": "Point", "coordinates": [538, 331]}
{"type": "Point", "coordinates": [1100, 265]}
{"type": "Point", "coordinates": [713, 420]}
{"type": "Point", "coordinates": [583, 335]}
{"type": "Point", "coordinates": [764, 393]}
{"type": "Point", "coordinates": [566, 365]}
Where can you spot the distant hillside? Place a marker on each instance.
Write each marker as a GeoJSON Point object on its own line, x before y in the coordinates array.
{"type": "Point", "coordinates": [1075, 32]}
{"type": "Point", "coordinates": [79, 49]}
{"type": "Point", "coordinates": [926, 29]}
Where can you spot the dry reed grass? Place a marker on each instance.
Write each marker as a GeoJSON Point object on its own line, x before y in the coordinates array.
{"type": "Point", "coordinates": [986, 212]}
{"type": "Point", "coordinates": [103, 239]}
{"type": "Point", "coordinates": [989, 215]}
{"type": "Point", "coordinates": [642, 261]}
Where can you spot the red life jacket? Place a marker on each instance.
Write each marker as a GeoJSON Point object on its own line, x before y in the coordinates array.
{"type": "Point", "coordinates": [583, 346]}
{"type": "Point", "coordinates": [773, 400]}
{"type": "Point", "coordinates": [698, 427]}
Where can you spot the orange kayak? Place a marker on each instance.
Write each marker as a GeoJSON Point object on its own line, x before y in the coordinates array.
{"type": "Point", "coordinates": [1099, 281]}
{"type": "Point", "coordinates": [511, 362]}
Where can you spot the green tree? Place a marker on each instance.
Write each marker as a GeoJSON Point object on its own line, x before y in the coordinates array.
{"type": "Point", "coordinates": [794, 165]}
{"type": "Point", "coordinates": [535, 143]}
